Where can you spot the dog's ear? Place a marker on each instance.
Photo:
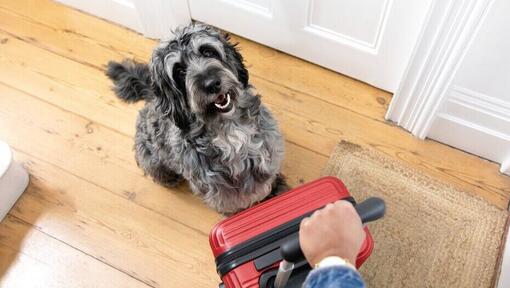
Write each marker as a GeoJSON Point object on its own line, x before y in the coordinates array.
{"type": "Point", "coordinates": [170, 99]}
{"type": "Point", "coordinates": [233, 55]}
{"type": "Point", "coordinates": [242, 71]}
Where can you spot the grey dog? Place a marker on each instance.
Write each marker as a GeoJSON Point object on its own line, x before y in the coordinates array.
{"type": "Point", "coordinates": [202, 120]}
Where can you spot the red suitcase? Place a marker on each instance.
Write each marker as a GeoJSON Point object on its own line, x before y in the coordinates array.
{"type": "Point", "coordinates": [246, 245]}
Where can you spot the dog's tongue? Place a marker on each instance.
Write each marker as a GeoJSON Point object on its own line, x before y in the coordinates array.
{"type": "Point", "coordinates": [221, 99]}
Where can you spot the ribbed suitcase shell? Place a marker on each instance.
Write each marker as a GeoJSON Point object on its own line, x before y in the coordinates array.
{"type": "Point", "coordinates": [235, 230]}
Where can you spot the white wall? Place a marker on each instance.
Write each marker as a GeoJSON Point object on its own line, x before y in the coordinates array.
{"type": "Point", "coordinates": [475, 114]}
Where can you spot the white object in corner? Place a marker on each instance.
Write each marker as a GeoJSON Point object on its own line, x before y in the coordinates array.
{"type": "Point", "coordinates": [13, 180]}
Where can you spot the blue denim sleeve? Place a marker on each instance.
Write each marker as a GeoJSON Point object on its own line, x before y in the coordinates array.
{"type": "Point", "coordinates": [334, 277]}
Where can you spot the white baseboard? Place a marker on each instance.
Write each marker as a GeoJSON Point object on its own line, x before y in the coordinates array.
{"type": "Point", "coordinates": [475, 123]}
{"type": "Point", "coordinates": [122, 12]}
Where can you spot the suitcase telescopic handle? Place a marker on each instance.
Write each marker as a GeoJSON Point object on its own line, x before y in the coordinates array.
{"type": "Point", "coordinates": [369, 210]}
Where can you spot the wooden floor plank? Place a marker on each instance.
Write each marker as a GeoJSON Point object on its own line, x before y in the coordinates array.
{"type": "Point", "coordinates": [71, 44]}
{"type": "Point", "coordinates": [67, 83]}
{"type": "Point", "coordinates": [64, 20]}
{"type": "Point", "coordinates": [30, 258]}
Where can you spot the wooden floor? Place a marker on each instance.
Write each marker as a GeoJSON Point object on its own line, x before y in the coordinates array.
{"type": "Point", "coordinates": [90, 218]}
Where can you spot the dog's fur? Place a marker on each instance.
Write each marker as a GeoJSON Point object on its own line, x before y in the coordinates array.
{"type": "Point", "coordinates": [231, 159]}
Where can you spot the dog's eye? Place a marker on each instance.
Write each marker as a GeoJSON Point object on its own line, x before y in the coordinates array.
{"type": "Point", "coordinates": [207, 51]}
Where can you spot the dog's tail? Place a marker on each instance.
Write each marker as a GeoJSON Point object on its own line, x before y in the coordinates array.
{"type": "Point", "coordinates": [131, 80]}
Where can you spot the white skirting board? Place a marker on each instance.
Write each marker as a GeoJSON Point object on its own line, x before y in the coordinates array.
{"type": "Point", "coordinates": [13, 180]}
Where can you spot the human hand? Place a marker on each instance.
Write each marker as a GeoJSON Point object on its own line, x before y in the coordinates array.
{"type": "Point", "coordinates": [335, 230]}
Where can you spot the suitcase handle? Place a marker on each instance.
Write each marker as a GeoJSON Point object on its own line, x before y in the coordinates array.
{"type": "Point", "coordinates": [369, 210]}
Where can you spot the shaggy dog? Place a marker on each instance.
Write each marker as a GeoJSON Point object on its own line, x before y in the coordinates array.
{"type": "Point", "coordinates": [202, 120]}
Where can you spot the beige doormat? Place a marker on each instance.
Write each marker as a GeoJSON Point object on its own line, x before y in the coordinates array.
{"type": "Point", "coordinates": [432, 235]}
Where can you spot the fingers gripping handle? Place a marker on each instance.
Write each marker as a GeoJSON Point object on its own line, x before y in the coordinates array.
{"type": "Point", "coordinates": [369, 210]}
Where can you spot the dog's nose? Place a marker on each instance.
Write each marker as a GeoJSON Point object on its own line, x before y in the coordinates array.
{"type": "Point", "coordinates": [212, 84]}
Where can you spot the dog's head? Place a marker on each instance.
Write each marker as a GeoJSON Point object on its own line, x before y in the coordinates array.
{"type": "Point", "coordinates": [198, 75]}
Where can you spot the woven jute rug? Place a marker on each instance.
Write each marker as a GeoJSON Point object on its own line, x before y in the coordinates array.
{"type": "Point", "coordinates": [433, 235]}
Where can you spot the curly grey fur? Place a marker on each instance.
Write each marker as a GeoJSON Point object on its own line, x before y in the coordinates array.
{"type": "Point", "coordinates": [232, 160]}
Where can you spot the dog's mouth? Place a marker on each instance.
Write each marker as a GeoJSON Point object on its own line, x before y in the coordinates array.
{"type": "Point", "coordinates": [224, 102]}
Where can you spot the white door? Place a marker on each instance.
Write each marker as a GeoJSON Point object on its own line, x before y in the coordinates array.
{"type": "Point", "coordinates": [370, 40]}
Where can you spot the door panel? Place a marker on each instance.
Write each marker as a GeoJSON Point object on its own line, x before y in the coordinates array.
{"type": "Point", "coordinates": [370, 40]}
{"type": "Point", "coordinates": [336, 17]}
